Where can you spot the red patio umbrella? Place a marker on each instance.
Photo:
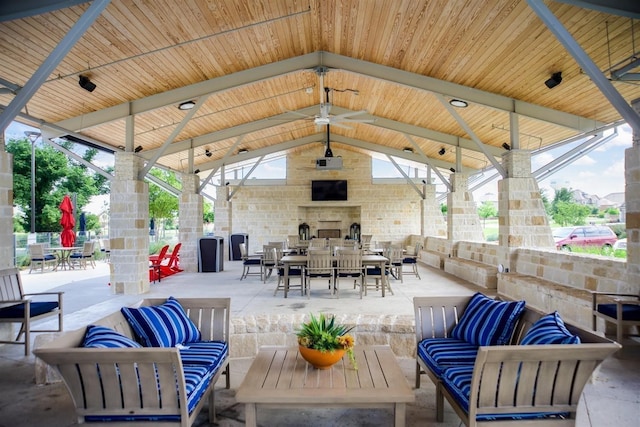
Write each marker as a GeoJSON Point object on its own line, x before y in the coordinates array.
{"type": "Point", "coordinates": [68, 236]}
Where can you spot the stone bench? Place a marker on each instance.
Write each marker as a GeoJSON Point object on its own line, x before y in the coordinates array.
{"type": "Point", "coordinates": [435, 251]}
{"type": "Point", "coordinates": [475, 262]}
{"type": "Point", "coordinates": [556, 280]}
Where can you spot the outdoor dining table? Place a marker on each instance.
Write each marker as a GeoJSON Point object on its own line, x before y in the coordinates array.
{"type": "Point", "coordinates": [63, 255]}
{"type": "Point", "coordinates": [289, 261]}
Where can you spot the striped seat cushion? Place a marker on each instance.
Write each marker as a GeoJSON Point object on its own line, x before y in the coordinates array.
{"type": "Point", "coordinates": [164, 325]}
{"type": "Point", "coordinates": [457, 380]}
{"type": "Point", "coordinates": [208, 353]}
{"type": "Point", "coordinates": [549, 329]}
{"type": "Point", "coordinates": [486, 321]}
{"type": "Point", "coordinates": [442, 353]}
{"type": "Point", "coordinates": [103, 337]}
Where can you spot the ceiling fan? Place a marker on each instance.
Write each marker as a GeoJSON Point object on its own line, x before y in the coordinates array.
{"type": "Point", "coordinates": [325, 117]}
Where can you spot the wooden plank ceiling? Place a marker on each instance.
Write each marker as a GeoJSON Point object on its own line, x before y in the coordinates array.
{"type": "Point", "coordinates": [254, 64]}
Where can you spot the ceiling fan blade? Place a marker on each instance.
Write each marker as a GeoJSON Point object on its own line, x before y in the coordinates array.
{"type": "Point", "coordinates": [357, 120]}
{"type": "Point", "coordinates": [306, 116]}
{"type": "Point", "coordinates": [340, 125]}
{"type": "Point", "coordinates": [348, 115]}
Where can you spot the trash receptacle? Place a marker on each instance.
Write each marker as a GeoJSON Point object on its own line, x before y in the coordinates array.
{"type": "Point", "coordinates": [210, 254]}
{"type": "Point", "coordinates": [234, 245]}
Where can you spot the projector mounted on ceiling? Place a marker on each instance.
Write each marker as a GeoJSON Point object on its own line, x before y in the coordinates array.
{"type": "Point", "coordinates": [327, 163]}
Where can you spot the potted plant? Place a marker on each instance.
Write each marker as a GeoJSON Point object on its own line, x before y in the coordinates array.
{"type": "Point", "coordinates": [323, 342]}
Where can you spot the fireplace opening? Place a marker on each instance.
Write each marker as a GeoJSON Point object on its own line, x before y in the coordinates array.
{"type": "Point", "coordinates": [329, 233]}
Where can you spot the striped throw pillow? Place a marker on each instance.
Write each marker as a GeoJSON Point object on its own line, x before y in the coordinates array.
{"type": "Point", "coordinates": [549, 329]}
{"type": "Point", "coordinates": [103, 337]}
{"type": "Point", "coordinates": [486, 321]}
{"type": "Point", "coordinates": [164, 325]}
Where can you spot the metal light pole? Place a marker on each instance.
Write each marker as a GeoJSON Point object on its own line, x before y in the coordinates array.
{"type": "Point", "coordinates": [33, 136]}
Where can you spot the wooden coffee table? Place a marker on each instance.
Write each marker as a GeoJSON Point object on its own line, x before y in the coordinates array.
{"type": "Point", "coordinates": [280, 377]}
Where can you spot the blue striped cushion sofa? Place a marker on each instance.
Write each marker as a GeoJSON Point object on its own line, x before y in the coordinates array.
{"type": "Point", "coordinates": [153, 363]}
{"type": "Point", "coordinates": [501, 362]}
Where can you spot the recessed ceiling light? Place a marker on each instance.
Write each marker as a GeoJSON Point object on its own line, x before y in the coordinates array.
{"type": "Point", "coordinates": [187, 105]}
{"type": "Point", "coordinates": [242, 151]}
{"type": "Point", "coordinates": [407, 150]}
{"type": "Point", "coordinates": [459, 103]}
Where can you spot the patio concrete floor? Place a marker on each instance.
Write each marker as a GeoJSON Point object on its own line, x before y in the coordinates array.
{"type": "Point", "coordinates": [612, 398]}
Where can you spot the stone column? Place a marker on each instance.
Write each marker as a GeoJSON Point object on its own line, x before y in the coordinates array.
{"type": "Point", "coordinates": [129, 227]}
{"type": "Point", "coordinates": [190, 220]}
{"type": "Point", "coordinates": [632, 203]}
{"type": "Point", "coordinates": [463, 222]}
{"type": "Point", "coordinates": [223, 210]}
{"type": "Point", "coordinates": [432, 218]}
{"type": "Point", "coordinates": [522, 219]}
{"type": "Point", "coordinates": [6, 208]}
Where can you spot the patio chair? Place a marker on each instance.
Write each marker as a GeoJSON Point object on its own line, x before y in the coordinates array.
{"type": "Point", "coordinates": [411, 259]}
{"type": "Point", "coordinates": [319, 266]}
{"type": "Point", "coordinates": [172, 264]}
{"type": "Point", "coordinates": [268, 262]}
{"type": "Point", "coordinates": [18, 307]}
{"type": "Point", "coordinates": [380, 277]}
{"type": "Point", "coordinates": [154, 264]}
{"type": "Point", "coordinates": [248, 262]}
{"type": "Point", "coordinates": [317, 243]}
{"type": "Point", "coordinates": [293, 241]}
{"type": "Point", "coordinates": [394, 265]}
{"type": "Point", "coordinates": [106, 249]}
{"type": "Point", "coordinates": [623, 310]}
{"type": "Point", "coordinates": [40, 259]}
{"type": "Point", "coordinates": [293, 273]}
{"type": "Point", "coordinates": [86, 256]}
{"type": "Point", "coordinates": [349, 265]}
{"type": "Point", "coordinates": [365, 241]}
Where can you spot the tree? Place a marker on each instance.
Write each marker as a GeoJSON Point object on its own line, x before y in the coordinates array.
{"type": "Point", "coordinates": [55, 176]}
{"type": "Point", "coordinates": [208, 214]}
{"type": "Point", "coordinates": [487, 210]}
{"type": "Point", "coordinates": [163, 206]}
{"type": "Point", "coordinates": [568, 213]}
{"type": "Point", "coordinates": [443, 208]}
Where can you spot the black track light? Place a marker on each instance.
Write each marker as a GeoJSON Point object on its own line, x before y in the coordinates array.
{"type": "Point", "coordinates": [506, 146]}
{"type": "Point", "coordinates": [208, 153]}
{"type": "Point", "coordinates": [452, 170]}
{"type": "Point", "coordinates": [196, 171]}
{"type": "Point", "coordinates": [138, 149]}
{"type": "Point", "coordinates": [554, 81]}
{"type": "Point", "coordinates": [442, 151]}
{"type": "Point", "coordinates": [86, 84]}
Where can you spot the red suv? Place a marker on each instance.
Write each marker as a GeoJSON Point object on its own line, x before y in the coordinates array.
{"type": "Point", "coordinates": [588, 235]}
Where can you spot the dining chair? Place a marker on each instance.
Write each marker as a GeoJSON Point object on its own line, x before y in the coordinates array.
{"type": "Point", "coordinates": [394, 263]}
{"type": "Point", "coordinates": [365, 241]}
{"type": "Point", "coordinates": [84, 257]}
{"type": "Point", "coordinates": [380, 275]}
{"type": "Point", "coordinates": [40, 259]}
{"type": "Point", "coordinates": [267, 262]}
{"type": "Point", "coordinates": [317, 243]}
{"type": "Point", "coordinates": [348, 265]}
{"type": "Point", "coordinates": [412, 260]}
{"type": "Point", "coordinates": [319, 266]}
{"type": "Point", "coordinates": [293, 241]}
{"type": "Point", "coordinates": [294, 272]}
{"type": "Point", "coordinates": [249, 261]}
{"type": "Point", "coordinates": [106, 249]}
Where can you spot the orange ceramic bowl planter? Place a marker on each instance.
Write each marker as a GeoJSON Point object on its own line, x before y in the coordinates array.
{"type": "Point", "coordinates": [319, 359]}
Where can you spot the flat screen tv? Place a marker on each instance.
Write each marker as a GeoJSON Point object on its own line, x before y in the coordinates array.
{"type": "Point", "coordinates": [327, 190]}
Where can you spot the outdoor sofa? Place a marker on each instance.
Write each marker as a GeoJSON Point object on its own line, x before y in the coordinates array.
{"type": "Point", "coordinates": [153, 363]}
{"type": "Point", "coordinates": [503, 363]}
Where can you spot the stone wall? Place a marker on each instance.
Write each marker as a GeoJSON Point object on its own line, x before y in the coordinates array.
{"type": "Point", "coordinates": [250, 332]}
{"type": "Point", "coordinates": [272, 212]}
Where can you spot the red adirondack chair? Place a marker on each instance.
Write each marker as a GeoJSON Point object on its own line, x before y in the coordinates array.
{"type": "Point", "coordinates": [154, 264]}
{"type": "Point", "coordinates": [172, 267]}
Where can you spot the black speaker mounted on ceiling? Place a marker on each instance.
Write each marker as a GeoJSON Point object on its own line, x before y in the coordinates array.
{"type": "Point", "coordinates": [86, 84]}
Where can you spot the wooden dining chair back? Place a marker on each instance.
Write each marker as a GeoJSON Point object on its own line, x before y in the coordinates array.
{"type": "Point", "coordinates": [248, 262]}
{"type": "Point", "coordinates": [24, 309]}
{"type": "Point", "coordinates": [81, 259]}
{"type": "Point", "coordinates": [394, 263]}
{"type": "Point", "coordinates": [411, 260]}
{"type": "Point", "coordinates": [348, 265]}
{"type": "Point", "coordinates": [365, 241]}
{"type": "Point", "coordinates": [294, 273]}
{"type": "Point", "coordinates": [319, 266]}
{"type": "Point", "coordinates": [268, 261]}
{"type": "Point", "coordinates": [317, 243]}
{"type": "Point", "coordinates": [40, 259]}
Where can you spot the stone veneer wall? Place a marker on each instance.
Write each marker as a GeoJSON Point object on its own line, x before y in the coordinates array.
{"type": "Point", "coordinates": [190, 220]}
{"type": "Point", "coordinates": [269, 213]}
{"type": "Point", "coordinates": [250, 332]}
{"type": "Point", "coordinates": [6, 209]}
{"type": "Point", "coordinates": [632, 204]}
{"type": "Point", "coordinates": [463, 222]}
{"type": "Point", "coordinates": [554, 280]}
